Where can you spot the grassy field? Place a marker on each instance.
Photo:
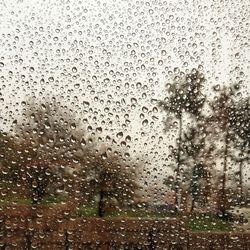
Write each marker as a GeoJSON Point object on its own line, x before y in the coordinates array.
{"type": "Point", "coordinates": [193, 223]}
{"type": "Point", "coordinates": [14, 200]}
{"type": "Point", "coordinates": [207, 223]}
{"type": "Point", "coordinates": [133, 213]}
{"type": "Point", "coordinates": [27, 201]}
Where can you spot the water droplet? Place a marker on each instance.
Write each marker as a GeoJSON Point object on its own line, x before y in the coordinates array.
{"type": "Point", "coordinates": [83, 142]}
{"type": "Point", "coordinates": [163, 52]}
{"type": "Point", "coordinates": [119, 135]}
{"type": "Point", "coordinates": [51, 79]}
{"type": "Point", "coordinates": [73, 126]}
{"type": "Point", "coordinates": [99, 130]}
{"type": "Point", "coordinates": [145, 123]}
{"type": "Point", "coordinates": [128, 138]}
{"type": "Point", "coordinates": [104, 156]}
{"type": "Point", "coordinates": [160, 62]}
{"type": "Point", "coordinates": [237, 55]}
{"type": "Point", "coordinates": [133, 100]}
{"type": "Point", "coordinates": [74, 69]}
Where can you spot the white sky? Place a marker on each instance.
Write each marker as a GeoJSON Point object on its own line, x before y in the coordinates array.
{"type": "Point", "coordinates": [123, 52]}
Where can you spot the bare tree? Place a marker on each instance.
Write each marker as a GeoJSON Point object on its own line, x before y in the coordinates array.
{"type": "Point", "coordinates": [184, 96]}
{"type": "Point", "coordinates": [241, 126]}
{"type": "Point", "coordinates": [197, 151]}
{"type": "Point", "coordinates": [222, 120]}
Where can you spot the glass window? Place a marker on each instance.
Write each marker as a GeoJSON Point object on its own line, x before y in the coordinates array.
{"type": "Point", "coordinates": [124, 124]}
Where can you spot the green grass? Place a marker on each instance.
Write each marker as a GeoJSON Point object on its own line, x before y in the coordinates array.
{"type": "Point", "coordinates": [84, 211]}
{"type": "Point", "coordinates": [194, 223]}
{"type": "Point", "coordinates": [136, 214]}
{"type": "Point", "coordinates": [52, 199]}
{"type": "Point", "coordinates": [27, 201]}
{"type": "Point", "coordinates": [207, 223]}
{"type": "Point", "coordinates": [15, 200]}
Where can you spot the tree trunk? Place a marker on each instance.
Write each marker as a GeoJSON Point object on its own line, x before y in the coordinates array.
{"type": "Point", "coordinates": [66, 240]}
{"type": "Point", "coordinates": [241, 181]}
{"type": "Point", "coordinates": [177, 178]}
{"type": "Point", "coordinates": [193, 187]}
{"type": "Point", "coordinates": [28, 238]}
{"type": "Point", "coordinates": [224, 178]}
{"type": "Point", "coordinates": [34, 196]}
{"type": "Point", "coordinates": [152, 239]}
{"type": "Point", "coordinates": [192, 205]}
{"type": "Point", "coordinates": [34, 199]}
{"type": "Point", "coordinates": [101, 211]}
{"type": "Point", "coordinates": [37, 195]}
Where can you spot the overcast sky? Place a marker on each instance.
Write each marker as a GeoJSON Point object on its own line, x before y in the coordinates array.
{"type": "Point", "coordinates": [113, 58]}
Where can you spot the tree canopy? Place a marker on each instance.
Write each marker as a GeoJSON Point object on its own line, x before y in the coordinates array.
{"type": "Point", "coordinates": [49, 152]}
{"type": "Point", "coordinates": [108, 177]}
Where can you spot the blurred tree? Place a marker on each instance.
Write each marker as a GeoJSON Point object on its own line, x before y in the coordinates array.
{"type": "Point", "coordinates": [7, 157]}
{"type": "Point", "coordinates": [47, 133]}
{"type": "Point", "coordinates": [50, 129]}
{"type": "Point", "coordinates": [38, 177]}
{"type": "Point", "coordinates": [184, 96]}
{"type": "Point", "coordinates": [108, 178]}
{"type": "Point", "coordinates": [241, 126]}
{"type": "Point", "coordinates": [197, 156]}
{"type": "Point", "coordinates": [222, 120]}
{"type": "Point", "coordinates": [6, 143]}
{"type": "Point", "coordinates": [241, 121]}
